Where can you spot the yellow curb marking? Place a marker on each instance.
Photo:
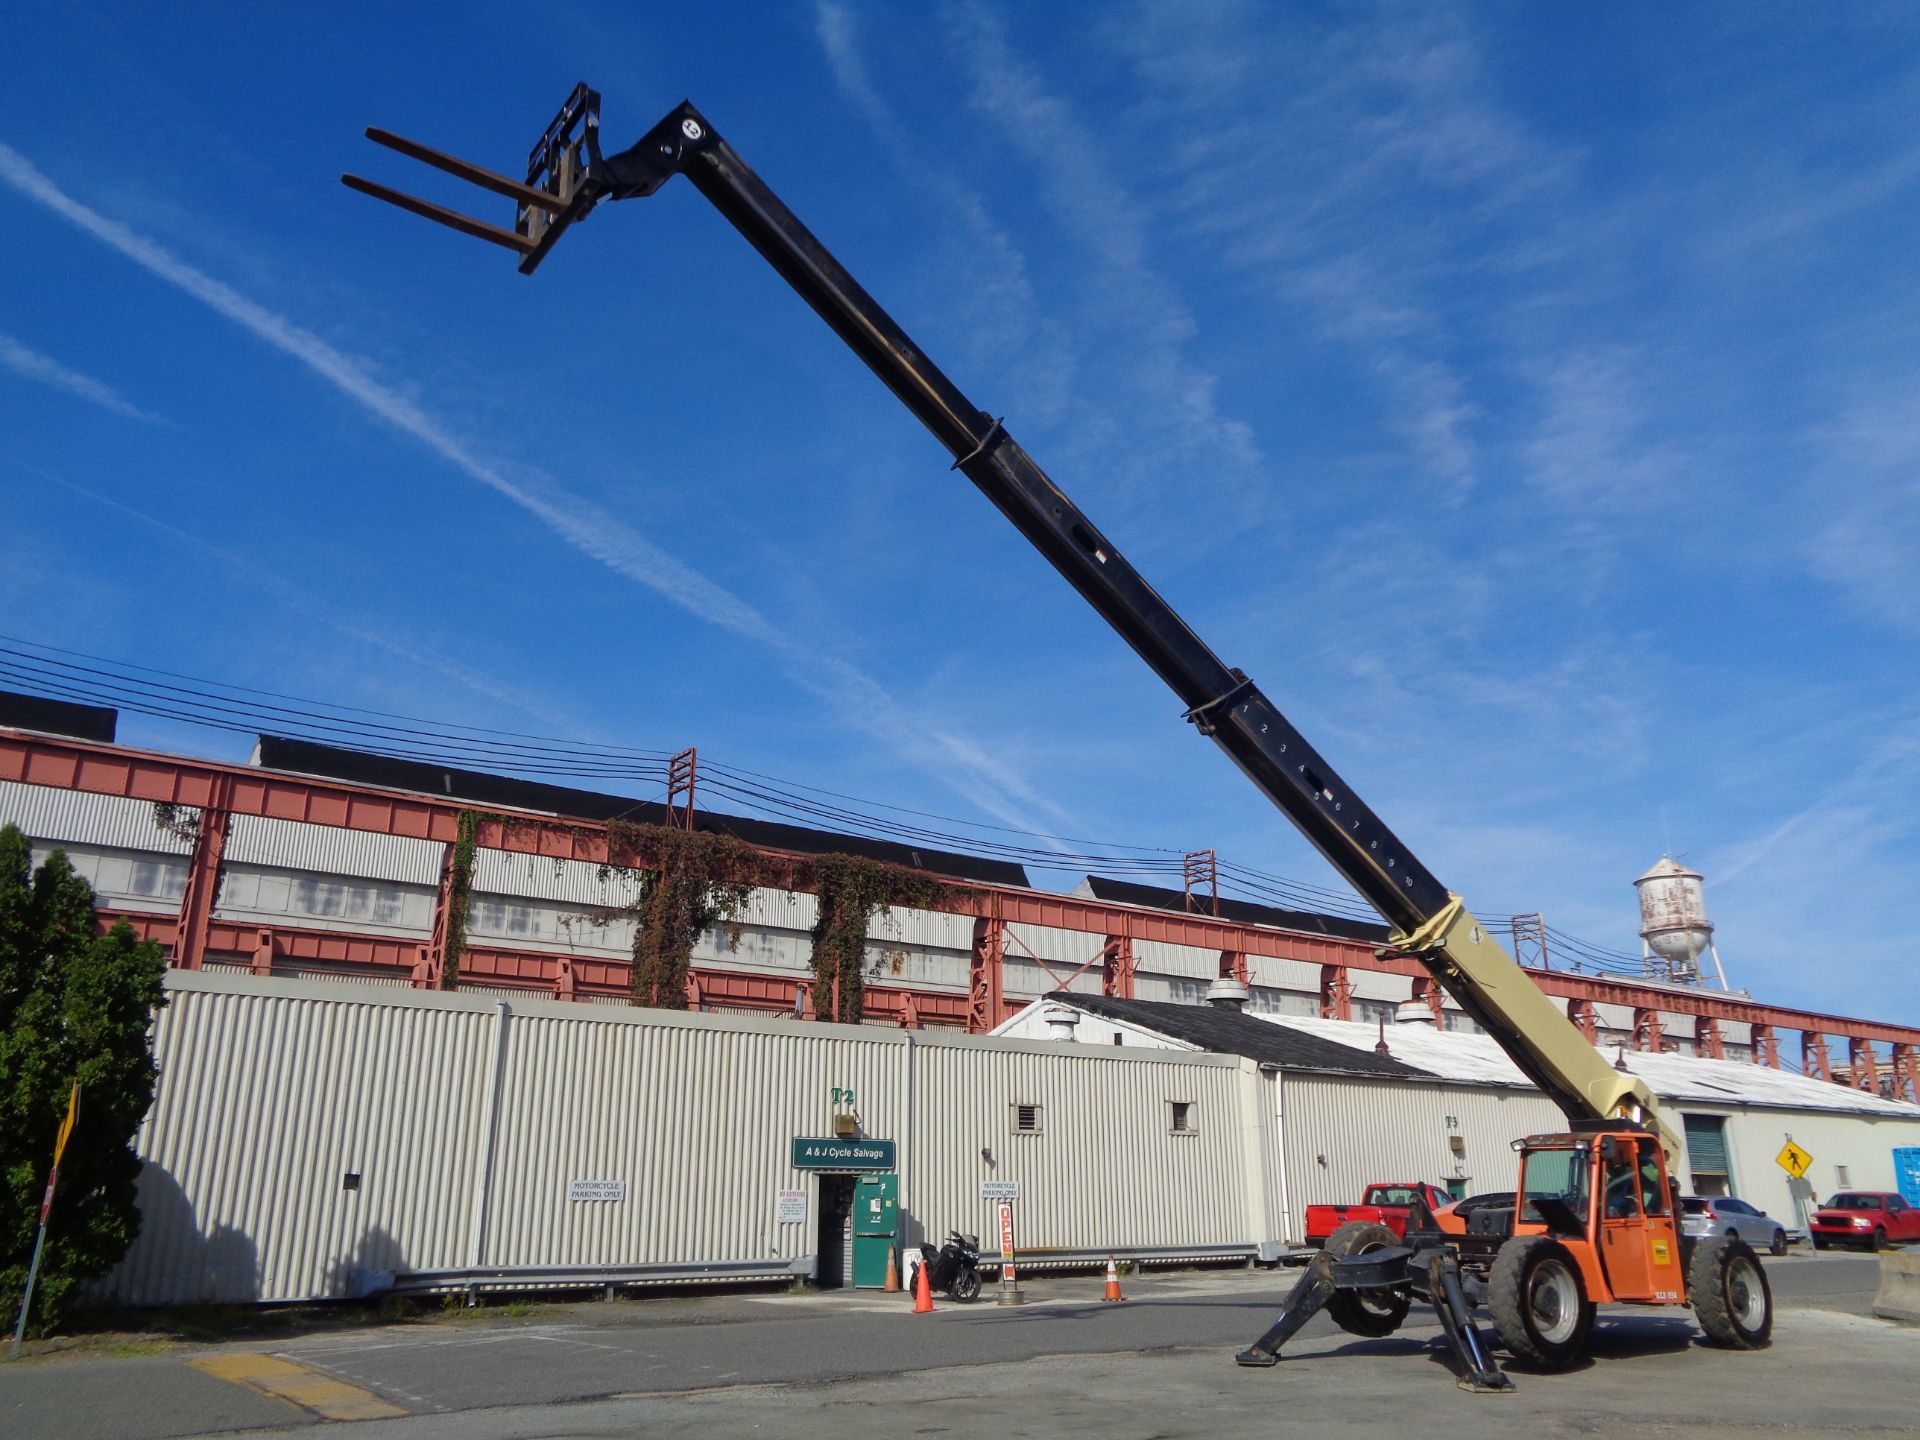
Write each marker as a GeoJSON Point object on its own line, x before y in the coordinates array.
{"type": "Point", "coordinates": [299, 1385]}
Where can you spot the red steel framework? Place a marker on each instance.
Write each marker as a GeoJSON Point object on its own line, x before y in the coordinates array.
{"type": "Point", "coordinates": [220, 791]}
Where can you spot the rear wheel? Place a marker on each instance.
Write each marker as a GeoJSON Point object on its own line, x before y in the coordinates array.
{"type": "Point", "coordinates": [1540, 1307]}
{"type": "Point", "coordinates": [1370, 1313]}
{"type": "Point", "coordinates": [1730, 1294]}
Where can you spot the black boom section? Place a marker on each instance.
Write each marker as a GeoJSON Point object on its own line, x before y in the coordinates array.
{"type": "Point", "coordinates": [1221, 701]}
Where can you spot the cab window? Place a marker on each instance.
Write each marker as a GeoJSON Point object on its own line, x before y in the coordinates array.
{"type": "Point", "coordinates": [1556, 1188]}
{"type": "Point", "coordinates": [1652, 1190]}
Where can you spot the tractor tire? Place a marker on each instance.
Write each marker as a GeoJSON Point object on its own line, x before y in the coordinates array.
{"type": "Point", "coordinates": [1731, 1297]}
{"type": "Point", "coordinates": [1371, 1314]}
{"type": "Point", "coordinates": [1539, 1303]}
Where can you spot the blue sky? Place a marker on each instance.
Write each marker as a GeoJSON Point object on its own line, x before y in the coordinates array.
{"type": "Point", "coordinates": [1525, 395]}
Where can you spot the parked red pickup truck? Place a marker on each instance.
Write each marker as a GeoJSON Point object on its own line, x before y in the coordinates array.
{"type": "Point", "coordinates": [1386, 1203]}
{"type": "Point", "coordinates": [1873, 1218]}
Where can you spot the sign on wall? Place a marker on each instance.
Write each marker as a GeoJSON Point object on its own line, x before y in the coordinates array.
{"type": "Point", "coordinates": [822, 1152]}
{"type": "Point", "coordinates": [791, 1208]}
{"type": "Point", "coordinates": [999, 1189]}
{"type": "Point", "coordinates": [579, 1191]}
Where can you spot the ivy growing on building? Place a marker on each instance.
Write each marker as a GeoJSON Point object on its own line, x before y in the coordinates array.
{"type": "Point", "coordinates": [852, 890]}
{"type": "Point", "coordinates": [460, 896]}
{"type": "Point", "coordinates": [689, 880]}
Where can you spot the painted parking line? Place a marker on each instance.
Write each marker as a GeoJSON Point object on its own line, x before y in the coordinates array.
{"type": "Point", "coordinates": [299, 1385]}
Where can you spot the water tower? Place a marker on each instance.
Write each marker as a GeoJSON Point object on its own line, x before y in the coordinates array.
{"type": "Point", "coordinates": [1674, 928]}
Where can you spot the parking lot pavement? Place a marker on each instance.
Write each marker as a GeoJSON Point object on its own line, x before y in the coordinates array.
{"type": "Point", "coordinates": [1829, 1374]}
{"type": "Point", "coordinates": [860, 1364]}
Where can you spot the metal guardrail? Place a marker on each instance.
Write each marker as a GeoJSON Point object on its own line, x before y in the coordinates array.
{"type": "Point", "coordinates": [721, 1272]}
{"type": "Point", "coordinates": [596, 1277]}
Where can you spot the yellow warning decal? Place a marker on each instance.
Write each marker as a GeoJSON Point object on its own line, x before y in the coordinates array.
{"type": "Point", "coordinates": [1662, 1255]}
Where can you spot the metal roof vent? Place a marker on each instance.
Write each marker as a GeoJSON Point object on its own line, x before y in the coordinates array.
{"type": "Point", "coordinates": [1228, 993]}
{"type": "Point", "coordinates": [1061, 1020]}
{"type": "Point", "coordinates": [1415, 1011]}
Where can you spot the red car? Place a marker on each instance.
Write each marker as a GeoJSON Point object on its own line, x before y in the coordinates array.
{"type": "Point", "coordinates": [1872, 1218]}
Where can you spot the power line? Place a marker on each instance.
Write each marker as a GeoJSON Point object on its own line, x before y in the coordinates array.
{"type": "Point", "coordinates": [163, 694]}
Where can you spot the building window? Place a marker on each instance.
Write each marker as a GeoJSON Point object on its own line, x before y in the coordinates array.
{"type": "Point", "coordinates": [164, 879]}
{"type": "Point", "coordinates": [497, 917]}
{"type": "Point", "coordinates": [1026, 1118]}
{"type": "Point", "coordinates": [1182, 1117]}
{"type": "Point", "coordinates": [1372, 1012]}
{"type": "Point", "coordinates": [1843, 1177]}
{"type": "Point", "coordinates": [342, 900]}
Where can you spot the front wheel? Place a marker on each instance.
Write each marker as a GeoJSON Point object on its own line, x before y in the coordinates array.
{"type": "Point", "coordinates": [1540, 1307]}
{"type": "Point", "coordinates": [1880, 1239]}
{"type": "Point", "coordinates": [1373, 1314]}
{"type": "Point", "coordinates": [1730, 1294]}
{"type": "Point", "coordinates": [1819, 1242]}
{"type": "Point", "coordinates": [966, 1286]}
{"type": "Point", "coordinates": [1779, 1246]}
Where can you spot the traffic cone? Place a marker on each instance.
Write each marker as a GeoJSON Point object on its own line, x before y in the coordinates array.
{"type": "Point", "coordinates": [922, 1291]}
{"type": "Point", "coordinates": [1113, 1282]}
{"type": "Point", "coordinates": [892, 1285]}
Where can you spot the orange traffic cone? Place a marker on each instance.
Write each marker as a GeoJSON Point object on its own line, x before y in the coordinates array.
{"type": "Point", "coordinates": [1113, 1282]}
{"type": "Point", "coordinates": [922, 1291]}
{"type": "Point", "coordinates": [892, 1285]}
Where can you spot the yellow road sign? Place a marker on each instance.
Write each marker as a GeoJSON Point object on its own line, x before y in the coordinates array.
{"type": "Point", "coordinates": [1793, 1160]}
{"type": "Point", "coordinates": [66, 1125]}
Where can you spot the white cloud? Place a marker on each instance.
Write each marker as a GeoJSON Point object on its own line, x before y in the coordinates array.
{"type": "Point", "coordinates": [856, 698]}
{"type": "Point", "coordinates": [1168, 413]}
{"type": "Point", "coordinates": [31, 365]}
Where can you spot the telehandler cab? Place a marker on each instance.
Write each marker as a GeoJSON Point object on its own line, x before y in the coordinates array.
{"type": "Point", "coordinates": [1593, 1220]}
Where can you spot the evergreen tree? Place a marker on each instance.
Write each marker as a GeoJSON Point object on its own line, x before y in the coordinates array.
{"type": "Point", "coordinates": [74, 1004]}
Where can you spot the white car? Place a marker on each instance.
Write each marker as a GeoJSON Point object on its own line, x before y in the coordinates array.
{"type": "Point", "coordinates": [1704, 1216]}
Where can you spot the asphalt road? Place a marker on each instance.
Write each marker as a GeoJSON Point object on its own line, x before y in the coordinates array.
{"type": "Point", "coordinates": [857, 1364]}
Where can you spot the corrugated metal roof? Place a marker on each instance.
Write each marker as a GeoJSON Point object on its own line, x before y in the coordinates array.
{"type": "Point", "coordinates": [1233, 1032]}
{"type": "Point", "coordinates": [1478, 1060]}
{"type": "Point", "coordinates": [77, 818]}
{"type": "Point", "coordinates": [306, 758]}
{"type": "Point", "coordinates": [1127, 892]}
{"type": "Point", "coordinates": [57, 717]}
{"type": "Point", "coordinates": [328, 850]}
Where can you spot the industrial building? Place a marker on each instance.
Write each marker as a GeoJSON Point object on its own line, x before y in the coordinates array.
{"type": "Point", "coordinates": [1457, 1103]}
{"type": "Point", "coordinates": [514, 1120]}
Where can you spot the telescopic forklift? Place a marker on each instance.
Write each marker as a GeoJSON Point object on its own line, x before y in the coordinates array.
{"type": "Point", "coordinates": [1594, 1216]}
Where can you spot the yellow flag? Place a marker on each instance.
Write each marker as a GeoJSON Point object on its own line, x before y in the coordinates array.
{"type": "Point", "coordinates": [66, 1126]}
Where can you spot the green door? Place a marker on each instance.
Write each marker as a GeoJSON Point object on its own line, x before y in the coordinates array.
{"type": "Point", "coordinates": [876, 1224]}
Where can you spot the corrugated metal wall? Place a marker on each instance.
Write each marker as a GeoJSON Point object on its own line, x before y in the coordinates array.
{"type": "Point", "coordinates": [269, 1097]}
{"type": "Point", "coordinates": [45, 813]}
{"type": "Point", "coordinates": [1104, 1168]}
{"type": "Point", "coordinates": [329, 850]}
{"type": "Point", "coordinates": [1342, 1133]}
{"type": "Point", "coordinates": [273, 1092]}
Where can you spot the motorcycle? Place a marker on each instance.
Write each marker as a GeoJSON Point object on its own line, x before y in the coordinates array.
{"type": "Point", "coordinates": [955, 1266]}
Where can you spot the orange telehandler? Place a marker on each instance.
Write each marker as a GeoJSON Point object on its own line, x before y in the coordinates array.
{"type": "Point", "coordinates": [1593, 1219]}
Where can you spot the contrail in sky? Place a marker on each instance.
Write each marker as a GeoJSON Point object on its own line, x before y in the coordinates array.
{"type": "Point", "coordinates": [857, 697]}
